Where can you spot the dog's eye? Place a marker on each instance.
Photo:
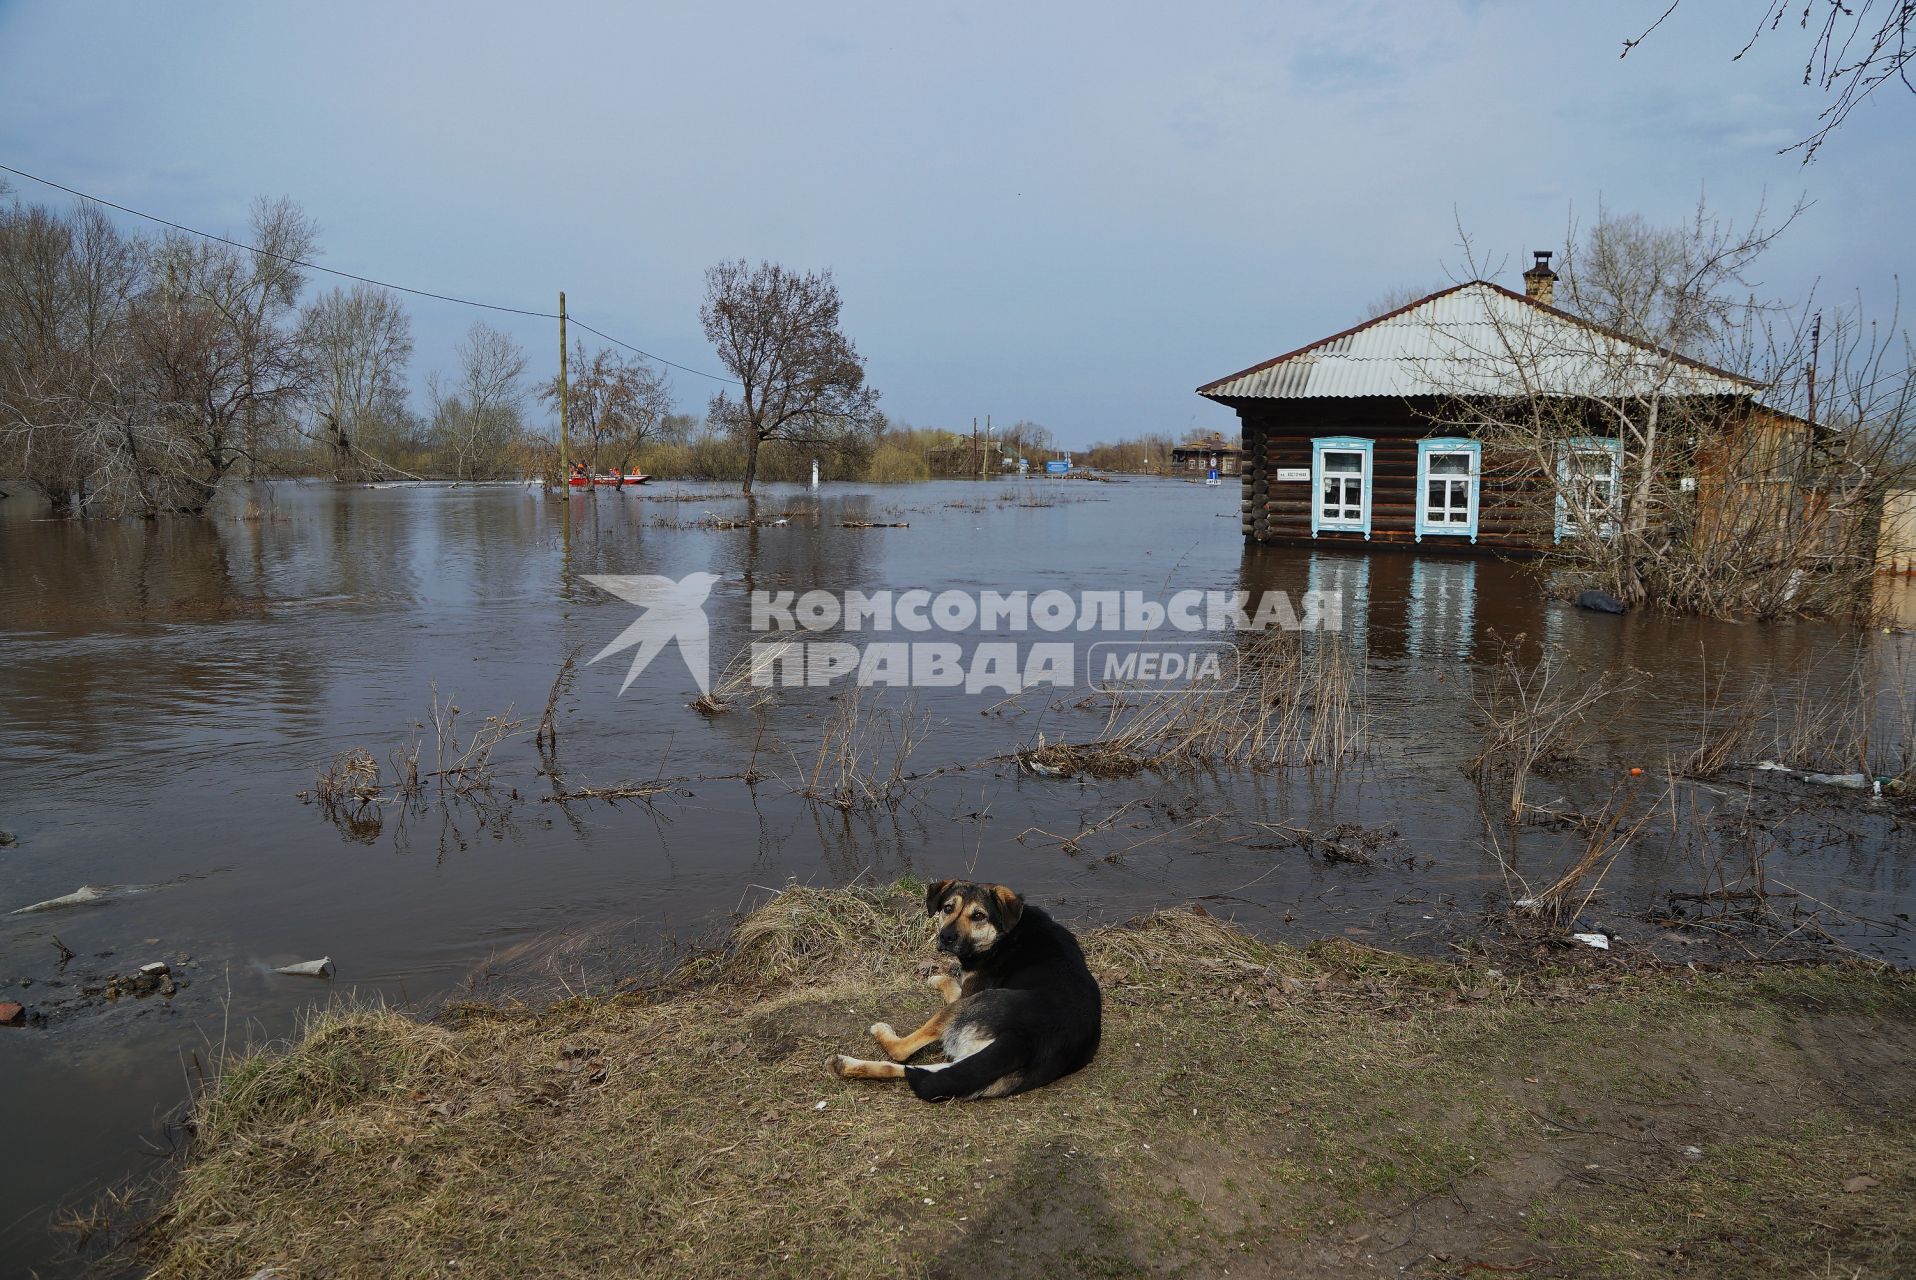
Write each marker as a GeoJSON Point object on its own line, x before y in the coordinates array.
{"type": "Point", "coordinates": [977, 917]}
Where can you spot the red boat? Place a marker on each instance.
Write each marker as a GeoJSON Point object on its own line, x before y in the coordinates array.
{"type": "Point", "coordinates": [611, 481]}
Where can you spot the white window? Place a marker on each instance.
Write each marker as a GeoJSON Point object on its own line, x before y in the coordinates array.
{"type": "Point", "coordinates": [1342, 494]}
{"type": "Point", "coordinates": [1340, 484]}
{"type": "Point", "coordinates": [1447, 497]}
{"type": "Point", "coordinates": [1448, 474]}
{"type": "Point", "coordinates": [1589, 476]}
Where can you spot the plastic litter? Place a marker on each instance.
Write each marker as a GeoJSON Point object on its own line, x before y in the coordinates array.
{"type": "Point", "coordinates": [321, 968]}
{"type": "Point", "coordinates": [1596, 940]}
{"type": "Point", "coordinates": [1875, 785]}
{"type": "Point", "coordinates": [1854, 781]}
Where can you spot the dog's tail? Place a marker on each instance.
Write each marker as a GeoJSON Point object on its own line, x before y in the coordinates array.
{"type": "Point", "coordinates": [968, 1077]}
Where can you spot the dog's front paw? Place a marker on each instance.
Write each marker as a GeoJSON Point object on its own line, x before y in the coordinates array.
{"type": "Point", "coordinates": [932, 970]}
{"type": "Point", "coordinates": [839, 1065]}
{"type": "Point", "coordinates": [882, 1032]}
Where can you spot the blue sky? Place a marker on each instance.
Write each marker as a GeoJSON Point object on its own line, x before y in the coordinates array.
{"type": "Point", "coordinates": [1067, 213]}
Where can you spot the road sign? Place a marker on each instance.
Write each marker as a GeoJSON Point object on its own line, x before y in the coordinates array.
{"type": "Point", "coordinates": [1057, 467]}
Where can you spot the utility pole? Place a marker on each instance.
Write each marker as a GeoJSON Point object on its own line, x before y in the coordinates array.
{"type": "Point", "coordinates": [1816, 345]}
{"type": "Point", "coordinates": [565, 451]}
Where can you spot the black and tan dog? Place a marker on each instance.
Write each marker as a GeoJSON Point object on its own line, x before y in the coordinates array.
{"type": "Point", "coordinates": [1027, 1012]}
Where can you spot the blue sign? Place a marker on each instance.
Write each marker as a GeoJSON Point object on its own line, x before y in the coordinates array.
{"type": "Point", "coordinates": [1057, 467]}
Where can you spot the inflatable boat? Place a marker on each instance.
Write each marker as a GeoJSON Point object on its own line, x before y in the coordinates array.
{"type": "Point", "coordinates": [613, 482]}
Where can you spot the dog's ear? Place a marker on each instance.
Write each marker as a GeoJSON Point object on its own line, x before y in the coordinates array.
{"type": "Point", "coordinates": [935, 896]}
{"type": "Point", "coordinates": [1011, 907]}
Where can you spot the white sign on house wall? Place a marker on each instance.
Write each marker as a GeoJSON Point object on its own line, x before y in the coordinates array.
{"type": "Point", "coordinates": [1294, 473]}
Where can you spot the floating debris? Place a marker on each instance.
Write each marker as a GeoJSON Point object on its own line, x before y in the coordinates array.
{"type": "Point", "coordinates": [321, 968]}
{"type": "Point", "coordinates": [1852, 781]}
{"type": "Point", "coordinates": [78, 898]}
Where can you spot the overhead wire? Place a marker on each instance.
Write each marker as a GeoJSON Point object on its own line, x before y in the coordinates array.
{"type": "Point", "coordinates": [348, 275]}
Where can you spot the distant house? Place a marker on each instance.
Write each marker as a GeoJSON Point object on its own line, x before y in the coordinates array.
{"type": "Point", "coordinates": [1355, 439]}
{"type": "Point", "coordinates": [1199, 454]}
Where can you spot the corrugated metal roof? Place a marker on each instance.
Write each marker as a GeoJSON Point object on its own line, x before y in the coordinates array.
{"type": "Point", "coordinates": [1475, 339]}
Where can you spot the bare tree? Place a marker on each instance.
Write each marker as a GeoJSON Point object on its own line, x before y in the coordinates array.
{"type": "Point", "coordinates": [284, 238]}
{"type": "Point", "coordinates": [614, 404]}
{"type": "Point", "coordinates": [65, 287]}
{"type": "Point", "coordinates": [359, 341]}
{"type": "Point", "coordinates": [221, 361]}
{"type": "Point", "coordinates": [137, 375]}
{"type": "Point", "coordinates": [800, 378]}
{"type": "Point", "coordinates": [1853, 48]}
{"type": "Point", "coordinates": [476, 422]}
{"type": "Point", "coordinates": [1395, 300]}
{"type": "Point", "coordinates": [679, 428]}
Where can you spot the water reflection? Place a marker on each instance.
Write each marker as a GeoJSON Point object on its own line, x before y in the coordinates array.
{"type": "Point", "coordinates": [1442, 608]}
{"type": "Point", "coordinates": [169, 686]}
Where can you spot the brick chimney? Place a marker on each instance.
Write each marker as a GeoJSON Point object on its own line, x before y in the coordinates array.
{"type": "Point", "coordinates": [1540, 282]}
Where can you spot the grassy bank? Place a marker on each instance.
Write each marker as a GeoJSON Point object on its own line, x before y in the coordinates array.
{"type": "Point", "coordinates": [1256, 1109]}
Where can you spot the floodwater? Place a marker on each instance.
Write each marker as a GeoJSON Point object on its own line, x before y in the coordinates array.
{"type": "Point", "coordinates": [168, 689]}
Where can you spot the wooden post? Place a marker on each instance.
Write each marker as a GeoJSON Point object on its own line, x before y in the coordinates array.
{"type": "Point", "coordinates": [565, 451]}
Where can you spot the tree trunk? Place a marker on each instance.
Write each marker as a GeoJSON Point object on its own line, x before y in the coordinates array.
{"type": "Point", "coordinates": [751, 458]}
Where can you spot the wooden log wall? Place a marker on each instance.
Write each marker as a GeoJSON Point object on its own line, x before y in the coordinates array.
{"type": "Point", "coordinates": [1514, 504]}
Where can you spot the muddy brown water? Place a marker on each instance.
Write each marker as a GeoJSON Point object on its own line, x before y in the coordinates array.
{"type": "Point", "coordinates": [167, 688]}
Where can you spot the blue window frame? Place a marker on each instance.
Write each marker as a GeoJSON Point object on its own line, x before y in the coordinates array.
{"type": "Point", "coordinates": [1340, 485]}
{"type": "Point", "coordinates": [1589, 485]}
{"type": "Point", "coordinates": [1449, 477]}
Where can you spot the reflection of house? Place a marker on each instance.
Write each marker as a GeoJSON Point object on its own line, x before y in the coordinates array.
{"type": "Point", "coordinates": [1441, 608]}
{"type": "Point", "coordinates": [1344, 439]}
{"type": "Point", "coordinates": [1200, 454]}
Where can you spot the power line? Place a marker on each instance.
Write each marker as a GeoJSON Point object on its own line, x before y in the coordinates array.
{"type": "Point", "coordinates": [347, 275]}
{"type": "Point", "coordinates": [716, 377]}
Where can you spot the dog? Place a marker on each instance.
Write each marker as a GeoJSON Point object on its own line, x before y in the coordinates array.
{"type": "Point", "coordinates": [1028, 1011]}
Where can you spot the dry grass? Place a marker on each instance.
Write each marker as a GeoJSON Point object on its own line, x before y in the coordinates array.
{"type": "Point", "coordinates": [348, 786]}
{"type": "Point", "coordinates": [461, 762]}
{"type": "Point", "coordinates": [1838, 714]}
{"type": "Point", "coordinates": [746, 681]}
{"type": "Point", "coordinates": [863, 751]}
{"type": "Point", "coordinates": [1605, 836]}
{"type": "Point", "coordinates": [354, 795]}
{"type": "Point", "coordinates": [546, 738]}
{"type": "Point", "coordinates": [1255, 1108]}
{"type": "Point", "coordinates": [1293, 703]}
{"type": "Point", "coordinates": [1528, 712]}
